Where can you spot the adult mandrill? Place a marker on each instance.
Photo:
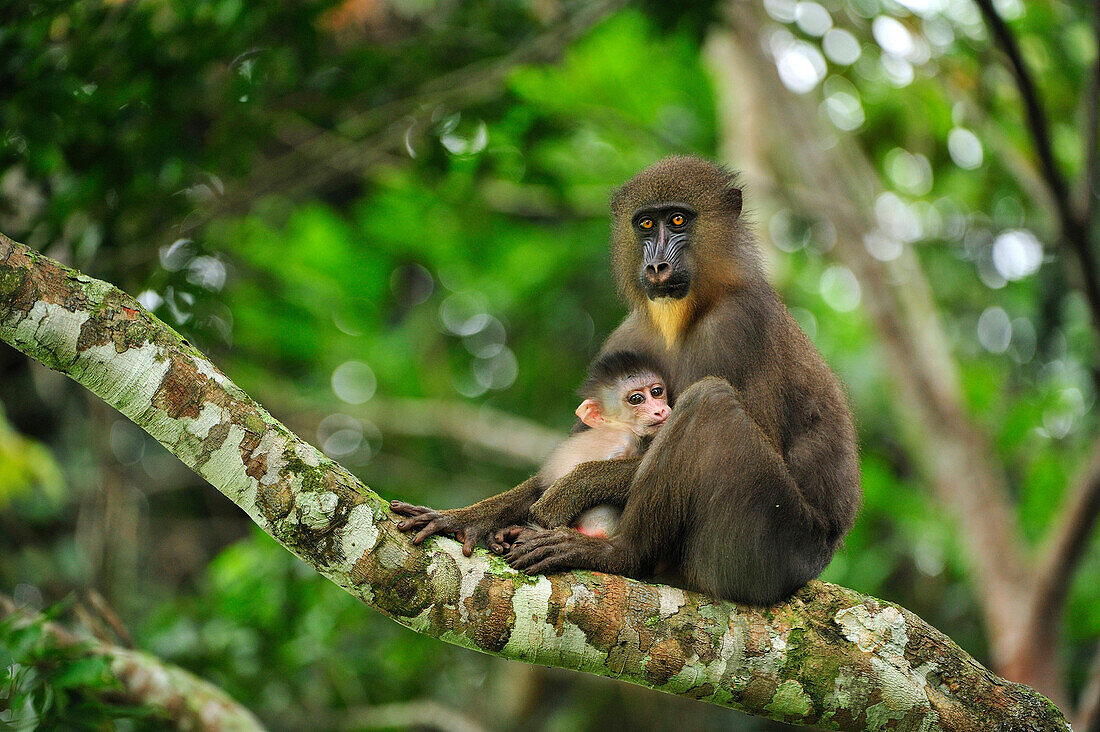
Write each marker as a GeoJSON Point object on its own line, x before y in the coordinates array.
{"type": "Point", "coordinates": [753, 481]}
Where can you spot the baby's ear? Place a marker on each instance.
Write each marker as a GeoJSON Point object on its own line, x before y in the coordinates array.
{"type": "Point", "coordinates": [589, 413]}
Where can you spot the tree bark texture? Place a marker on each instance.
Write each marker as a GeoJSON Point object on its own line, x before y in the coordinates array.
{"type": "Point", "coordinates": [830, 656]}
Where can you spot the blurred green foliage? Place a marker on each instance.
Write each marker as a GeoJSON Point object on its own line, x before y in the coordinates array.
{"type": "Point", "coordinates": [49, 684]}
{"type": "Point", "coordinates": [448, 240]}
{"type": "Point", "coordinates": [26, 465]}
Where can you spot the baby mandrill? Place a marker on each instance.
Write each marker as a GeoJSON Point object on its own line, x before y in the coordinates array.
{"type": "Point", "coordinates": [625, 403]}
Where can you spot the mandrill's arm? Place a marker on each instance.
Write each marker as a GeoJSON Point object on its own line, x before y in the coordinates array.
{"type": "Point", "coordinates": [473, 523]}
{"type": "Point", "coordinates": [589, 484]}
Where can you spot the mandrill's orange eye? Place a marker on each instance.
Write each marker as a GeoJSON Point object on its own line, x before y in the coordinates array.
{"type": "Point", "coordinates": [646, 223]}
{"type": "Point", "coordinates": [678, 220]}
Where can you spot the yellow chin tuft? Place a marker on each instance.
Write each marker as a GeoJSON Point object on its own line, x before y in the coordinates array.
{"type": "Point", "coordinates": [670, 317]}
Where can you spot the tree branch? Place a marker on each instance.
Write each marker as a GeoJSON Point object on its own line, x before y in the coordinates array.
{"type": "Point", "coordinates": [514, 438]}
{"type": "Point", "coordinates": [192, 703]}
{"type": "Point", "coordinates": [415, 714]}
{"type": "Point", "coordinates": [1033, 109]}
{"type": "Point", "coordinates": [506, 438]}
{"type": "Point", "coordinates": [827, 656]}
{"type": "Point", "coordinates": [1087, 717]}
{"type": "Point", "coordinates": [1054, 571]}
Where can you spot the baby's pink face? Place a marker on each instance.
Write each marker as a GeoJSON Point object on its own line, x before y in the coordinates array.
{"type": "Point", "coordinates": [647, 403]}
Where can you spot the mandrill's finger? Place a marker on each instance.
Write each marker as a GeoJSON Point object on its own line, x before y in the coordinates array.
{"type": "Point", "coordinates": [431, 529]}
{"type": "Point", "coordinates": [469, 543]}
{"type": "Point", "coordinates": [508, 536]}
{"type": "Point", "coordinates": [521, 557]}
{"type": "Point", "coordinates": [545, 555]}
{"type": "Point", "coordinates": [408, 509]}
{"type": "Point", "coordinates": [415, 522]}
{"type": "Point", "coordinates": [550, 565]}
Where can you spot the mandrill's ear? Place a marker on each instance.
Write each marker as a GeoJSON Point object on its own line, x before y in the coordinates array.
{"type": "Point", "coordinates": [589, 413]}
{"type": "Point", "coordinates": [733, 200]}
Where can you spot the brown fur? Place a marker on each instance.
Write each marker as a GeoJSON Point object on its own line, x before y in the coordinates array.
{"type": "Point", "coordinates": [753, 481]}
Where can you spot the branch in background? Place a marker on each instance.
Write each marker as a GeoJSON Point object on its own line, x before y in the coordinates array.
{"type": "Point", "coordinates": [178, 695]}
{"type": "Point", "coordinates": [827, 656]}
{"type": "Point", "coordinates": [1074, 229]}
{"type": "Point", "coordinates": [105, 611]}
{"type": "Point", "coordinates": [937, 428]}
{"type": "Point", "coordinates": [408, 715]}
{"type": "Point", "coordinates": [520, 441]}
{"type": "Point", "coordinates": [1062, 553]}
{"type": "Point", "coordinates": [1088, 705]}
{"type": "Point", "coordinates": [500, 436]}
{"type": "Point", "coordinates": [1069, 537]}
{"type": "Point", "coordinates": [1033, 108]}
{"type": "Point", "coordinates": [509, 439]}
{"type": "Point", "coordinates": [1019, 164]}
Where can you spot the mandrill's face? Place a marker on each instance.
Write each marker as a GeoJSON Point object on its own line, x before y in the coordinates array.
{"type": "Point", "coordinates": [664, 232]}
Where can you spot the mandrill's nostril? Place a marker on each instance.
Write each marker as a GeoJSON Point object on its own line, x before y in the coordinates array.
{"type": "Point", "coordinates": [658, 273]}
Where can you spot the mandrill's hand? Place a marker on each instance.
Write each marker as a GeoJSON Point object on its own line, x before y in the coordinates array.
{"type": "Point", "coordinates": [543, 551]}
{"type": "Point", "coordinates": [428, 522]}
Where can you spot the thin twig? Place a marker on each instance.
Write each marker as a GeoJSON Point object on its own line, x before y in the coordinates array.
{"type": "Point", "coordinates": [99, 602]}
{"type": "Point", "coordinates": [1091, 187]}
{"type": "Point", "coordinates": [1036, 116]}
{"type": "Point", "coordinates": [1074, 230]}
{"type": "Point", "coordinates": [1069, 538]}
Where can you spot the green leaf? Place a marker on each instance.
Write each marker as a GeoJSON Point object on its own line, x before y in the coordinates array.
{"type": "Point", "coordinates": [93, 671]}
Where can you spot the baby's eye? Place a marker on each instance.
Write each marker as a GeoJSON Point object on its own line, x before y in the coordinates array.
{"type": "Point", "coordinates": [657, 391]}
{"type": "Point", "coordinates": [636, 399]}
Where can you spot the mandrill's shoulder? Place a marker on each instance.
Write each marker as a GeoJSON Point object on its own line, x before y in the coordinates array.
{"type": "Point", "coordinates": [635, 333]}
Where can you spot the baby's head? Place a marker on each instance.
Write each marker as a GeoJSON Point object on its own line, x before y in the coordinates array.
{"type": "Point", "coordinates": [625, 390]}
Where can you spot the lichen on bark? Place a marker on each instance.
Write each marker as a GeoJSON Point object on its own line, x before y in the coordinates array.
{"type": "Point", "coordinates": [829, 656]}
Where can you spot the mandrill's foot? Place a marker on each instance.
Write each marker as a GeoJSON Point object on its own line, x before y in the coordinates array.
{"type": "Point", "coordinates": [428, 522]}
{"type": "Point", "coordinates": [543, 551]}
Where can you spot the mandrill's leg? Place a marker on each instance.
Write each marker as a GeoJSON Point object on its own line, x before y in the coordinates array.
{"type": "Point", "coordinates": [473, 523]}
{"type": "Point", "coordinates": [712, 497]}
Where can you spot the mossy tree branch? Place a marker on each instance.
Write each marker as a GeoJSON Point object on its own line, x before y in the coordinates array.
{"type": "Point", "coordinates": [829, 657]}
